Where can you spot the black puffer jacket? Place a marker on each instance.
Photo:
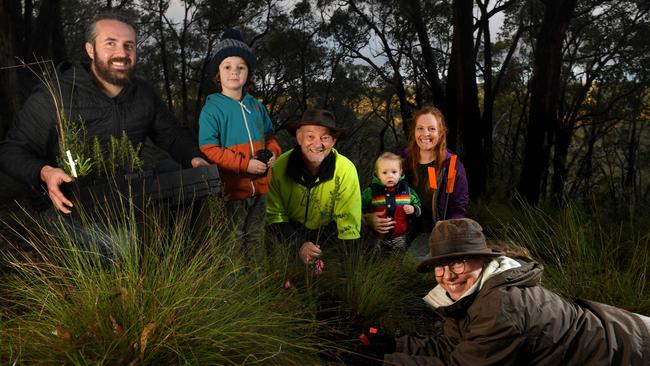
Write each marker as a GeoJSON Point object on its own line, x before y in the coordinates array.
{"type": "Point", "coordinates": [512, 320]}
{"type": "Point", "coordinates": [32, 142]}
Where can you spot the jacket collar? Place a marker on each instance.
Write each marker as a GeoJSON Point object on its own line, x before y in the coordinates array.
{"type": "Point", "coordinates": [297, 170]}
{"type": "Point", "coordinates": [437, 298]}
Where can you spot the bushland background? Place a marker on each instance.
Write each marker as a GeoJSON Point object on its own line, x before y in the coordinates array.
{"type": "Point", "coordinates": [547, 103]}
{"type": "Point", "coordinates": [553, 104]}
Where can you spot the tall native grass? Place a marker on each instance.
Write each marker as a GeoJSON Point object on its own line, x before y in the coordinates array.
{"type": "Point", "coordinates": [381, 290]}
{"type": "Point", "coordinates": [585, 255]}
{"type": "Point", "coordinates": [160, 287]}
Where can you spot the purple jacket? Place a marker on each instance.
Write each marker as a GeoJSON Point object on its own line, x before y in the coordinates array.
{"type": "Point", "coordinates": [447, 206]}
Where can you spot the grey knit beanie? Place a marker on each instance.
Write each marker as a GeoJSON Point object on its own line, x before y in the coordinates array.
{"type": "Point", "coordinates": [232, 44]}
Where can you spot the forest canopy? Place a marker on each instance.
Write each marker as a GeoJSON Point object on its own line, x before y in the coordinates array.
{"type": "Point", "coordinates": [553, 104]}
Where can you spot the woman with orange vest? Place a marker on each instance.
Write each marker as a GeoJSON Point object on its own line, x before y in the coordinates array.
{"type": "Point", "coordinates": [435, 173]}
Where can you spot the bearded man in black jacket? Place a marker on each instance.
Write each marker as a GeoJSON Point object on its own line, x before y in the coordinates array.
{"type": "Point", "coordinates": [110, 101]}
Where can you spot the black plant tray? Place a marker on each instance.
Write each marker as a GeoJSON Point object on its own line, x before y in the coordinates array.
{"type": "Point", "coordinates": [142, 188]}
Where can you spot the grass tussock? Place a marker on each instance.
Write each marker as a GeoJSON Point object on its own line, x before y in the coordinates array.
{"type": "Point", "coordinates": [585, 255]}
{"type": "Point", "coordinates": [158, 288]}
{"type": "Point", "coordinates": [381, 290]}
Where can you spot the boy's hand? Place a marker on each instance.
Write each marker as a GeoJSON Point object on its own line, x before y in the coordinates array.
{"type": "Point", "coordinates": [271, 161]}
{"type": "Point", "coordinates": [256, 167]}
{"type": "Point", "coordinates": [409, 209]}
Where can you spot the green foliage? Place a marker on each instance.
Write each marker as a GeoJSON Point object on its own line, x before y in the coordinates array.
{"type": "Point", "coordinates": [118, 155]}
{"type": "Point", "coordinates": [72, 136]}
{"type": "Point", "coordinates": [169, 290]}
{"type": "Point", "coordinates": [585, 256]}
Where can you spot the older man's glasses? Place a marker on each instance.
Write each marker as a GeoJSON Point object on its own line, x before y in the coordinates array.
{"type": "Point", "coordinates": [456, 267]}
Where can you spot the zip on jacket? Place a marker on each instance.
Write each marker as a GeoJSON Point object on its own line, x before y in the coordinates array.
{"type": "Point", "coordinates": [250, 139]}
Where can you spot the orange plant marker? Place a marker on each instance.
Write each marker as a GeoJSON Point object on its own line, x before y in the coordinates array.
{"type": "Point", "coordinates": [451, 177]}
{"type": "Point", "coordinates": [433, 182]}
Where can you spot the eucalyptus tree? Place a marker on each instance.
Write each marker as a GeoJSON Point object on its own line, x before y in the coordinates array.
{"type": "Point", "coordinates": [176, 45]}
{"type": "Point", "coordinates": [578, 48]}
{"type": "Point", "coordinates": [179, 47]}
{"type": "Point", "coordinates": [9, 10]}
{"type": "Point", "coordinates": [462, 97]}
{"type": "Point", "coordinates": [30, 31]}
{"type": "Point", "coordinates": [293, 59]}
{"type": "Point", "coordinates": [372, 33]}
{"type": "Point", "coordinates": [545, 87]}
{"type": "Point", "coordinates": [605, 84]}
{"type": "Point", "coordinates": [492, 77]}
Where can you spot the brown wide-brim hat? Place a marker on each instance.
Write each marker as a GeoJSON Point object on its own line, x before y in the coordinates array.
{"type": "Point", "coordinates": [318, 117]}
{"type": "Point", "coordinates": [455, 238]}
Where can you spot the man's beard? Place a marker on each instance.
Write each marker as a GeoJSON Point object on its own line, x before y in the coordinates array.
{"type": "Point", "coordinates": [119, 78]}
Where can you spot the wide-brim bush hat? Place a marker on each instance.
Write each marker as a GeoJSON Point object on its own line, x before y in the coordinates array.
{"type": "Point", "coordinates": [232, 44]}
{"type": "Point", "coordinates": [455, 238]}
{"type": "Point", "coordinates": [318, 117]}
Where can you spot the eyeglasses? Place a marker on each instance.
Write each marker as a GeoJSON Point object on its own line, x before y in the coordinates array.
{"type": "Point", "coordinates": [455, 267]}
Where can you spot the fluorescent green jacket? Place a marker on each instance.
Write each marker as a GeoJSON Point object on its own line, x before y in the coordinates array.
{"type": "Point", "coordinates": [333, 196]}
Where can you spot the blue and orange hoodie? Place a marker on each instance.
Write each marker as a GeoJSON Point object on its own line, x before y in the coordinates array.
{"type": "Point", "coordinates": [230, 133]}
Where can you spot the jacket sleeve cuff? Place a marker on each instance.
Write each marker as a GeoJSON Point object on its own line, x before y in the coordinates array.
{"type": "Point", "coordinates": [276, 218]}
{"type": "Point", "coordinates": [272, 144]}
{"type": "Point", "coordinates": [243, 164]}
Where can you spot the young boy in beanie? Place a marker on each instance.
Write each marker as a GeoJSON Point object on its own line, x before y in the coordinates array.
{"type": "Point", "coordinates": [236, 133]}
{"type": "Point", "coordinates": [390, 193]}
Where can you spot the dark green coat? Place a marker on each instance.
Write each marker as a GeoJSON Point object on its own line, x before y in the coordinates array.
{"type": "Point", "coordinates": [512, 320]}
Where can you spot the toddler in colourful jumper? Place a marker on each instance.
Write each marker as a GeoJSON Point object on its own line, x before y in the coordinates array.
{"type": "Point", "coordinates": [390, 193]}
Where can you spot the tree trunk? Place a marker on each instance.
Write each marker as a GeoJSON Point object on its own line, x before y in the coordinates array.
{"type": "Point", "coordinates": [545, 85]}
{"type": "Point", "coordinates": [205, 81]}
{"type": "Point", "coordinates": [49, 42]}
{"type": "Point", "coordinates": [629, 182]}
{"type": "Point", "coordinates": [8, 101]}
{"type": "Point", "coordinates": [163, 55]}
{"type": "Point", "coordinates": [24, 33]}
{"type": "Point", "coordinates": [462, 98]}
{"type": "Point", "coordinates": [585, 166]}
{"type": "Point", "coordinates": [512, 159]}
{"type": "Point", "coordinates": [563, 135]}
{"type": "Point", "coordinates": [184, 96]}
{"type": "Point", "coordinates": [414, 13]}
{"type": "Point", "coordinates": [489, 93]}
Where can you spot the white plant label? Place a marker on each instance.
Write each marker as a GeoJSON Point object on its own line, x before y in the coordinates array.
{"type": "Point", "coordinates": [73, 167]}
